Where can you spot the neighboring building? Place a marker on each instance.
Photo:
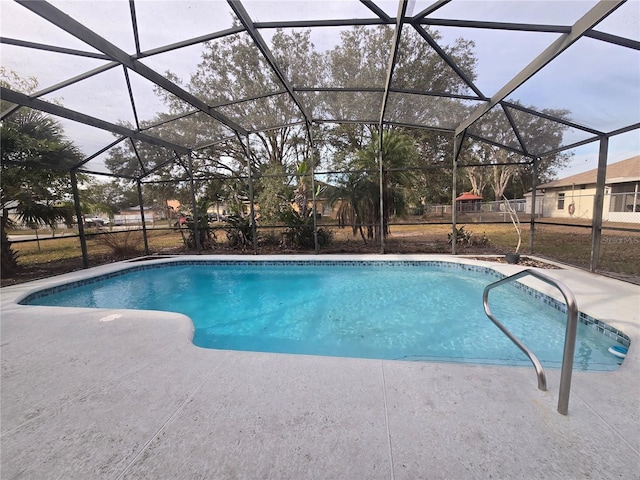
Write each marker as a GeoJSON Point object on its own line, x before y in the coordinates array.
{"type": "Point", "coordinates": [573, 197]}
{"type": "Point", "coordinates": [9, 209]}
{"type": "Point", "coordinates": [175, 208]}
{"type": "Point", "coordinates": [468, 202]}
{"type": "Point", "coordinates": [131, 216]}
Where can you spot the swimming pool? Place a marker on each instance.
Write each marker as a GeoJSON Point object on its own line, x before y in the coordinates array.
{"type": "Point", "coordinates": [403, 310]}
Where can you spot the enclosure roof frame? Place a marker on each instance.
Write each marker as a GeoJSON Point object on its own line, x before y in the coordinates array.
{"type": "Point", "coordinates": [115, 56]}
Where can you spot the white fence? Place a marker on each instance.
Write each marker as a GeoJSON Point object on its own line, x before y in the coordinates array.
{"type": "Point", "coordinates": [519, 205]}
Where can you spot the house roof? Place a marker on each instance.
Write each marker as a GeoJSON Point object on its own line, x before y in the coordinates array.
{"type": "Point", "coordinates": [468, 196]}
{"type": "Point", "coordinates": [624, 171]}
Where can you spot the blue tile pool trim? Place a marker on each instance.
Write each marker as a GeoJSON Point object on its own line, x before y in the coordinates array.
{"type": "Point", "coordinates": [600, 327]}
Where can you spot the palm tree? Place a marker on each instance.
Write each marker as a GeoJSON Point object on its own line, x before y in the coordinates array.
{"type": "Point", "coordinates": [35, 158]}
{"type": "Point", "coordinates": [358, 195]}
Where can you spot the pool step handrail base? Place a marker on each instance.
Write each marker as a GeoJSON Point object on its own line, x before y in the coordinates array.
{"type": "Point", "coordinates": [569, 338]}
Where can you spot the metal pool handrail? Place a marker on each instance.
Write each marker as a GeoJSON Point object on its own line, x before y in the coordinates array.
{"type": "Point", "coordinates": [569, 337]}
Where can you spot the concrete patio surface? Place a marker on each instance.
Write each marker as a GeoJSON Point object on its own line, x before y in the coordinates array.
{"type": "Point", "coordinates": [118, 394]}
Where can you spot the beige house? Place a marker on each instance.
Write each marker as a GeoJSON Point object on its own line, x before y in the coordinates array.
{"type": "Point", "coordinates": [175, 208]}
{"type": "Point", "coordinates": [573, 197]}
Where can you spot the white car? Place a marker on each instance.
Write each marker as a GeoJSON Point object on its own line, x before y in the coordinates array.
{"type": "Point", "coordinates": [95, 222]}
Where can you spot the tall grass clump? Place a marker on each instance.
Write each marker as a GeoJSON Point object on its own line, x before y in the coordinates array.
{"type": "Point", "coordinates": [121, 244]}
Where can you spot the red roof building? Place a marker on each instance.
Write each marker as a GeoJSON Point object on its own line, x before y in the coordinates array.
{"type": "Point", "coordinates": [468, 202]}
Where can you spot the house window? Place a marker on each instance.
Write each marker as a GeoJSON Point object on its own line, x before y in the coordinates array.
{"type": "Point", "coordinates": [560, 201]}
{"type": "Point", "coordinates": [625, 198]}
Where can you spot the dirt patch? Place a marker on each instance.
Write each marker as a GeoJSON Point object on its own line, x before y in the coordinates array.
{"type": "Point", "coordinates": [28, 273]}
{"type": "Point", "coordinates": [397, 244]}
{"type": "Point", "coordinates": [50, 269]}
{"type": "Point", "coordinates": [524, 262]}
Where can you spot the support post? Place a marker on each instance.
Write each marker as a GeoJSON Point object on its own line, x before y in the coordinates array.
{"type": "Point", "coordinates": [598, 203]}
{"type": "Point", "coordinates": [314, 209]}
{"type": "Point", "coordinates": [454, 194]}
{"type": "Point", "coordinates": [252, 209]}
{"type": "Point", "coordinates": [142, 219]}
{"type": "Point", "coordinates": [76, 203]}
{"type": "Point", "coordinates": [381, 172]}
{"type": "Point", "coordinates": [532, 221]}
{"type": "Point", "coordinates": [192, 183]}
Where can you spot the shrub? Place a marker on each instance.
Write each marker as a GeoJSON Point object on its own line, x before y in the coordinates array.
{"type": "Point", "coordinates": [483, 240]}
{"type": "Point", "coordinates": [122, 244]}
{"type": "Point", "coordinates": [463, 237]}
{"type": "Point", "coordinates": [299, 231]}
{"type": "Point", "coordinates": [239, 231]}
{"type": "Point", "coordinates": [206, 234]}
{"type": "Point", "coordinates": [270, 238]}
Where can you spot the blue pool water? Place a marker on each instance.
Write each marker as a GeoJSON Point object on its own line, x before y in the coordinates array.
{"type": "Point", "coordinates": [393, 311]}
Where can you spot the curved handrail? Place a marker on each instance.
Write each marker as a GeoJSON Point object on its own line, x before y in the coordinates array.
{"type": "Point", "coordinates": [569, 338]}
{"type": "Point", "coordinates": [542, 379]}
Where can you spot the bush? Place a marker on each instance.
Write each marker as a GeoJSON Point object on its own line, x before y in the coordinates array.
{"type": "Point", "coordinates": [270, 238]}
{"type": "Point", "coordinates": [465, 237]}
{"type": "Point", "coordinates": [206, 234]}
{"type": "Point", "coordinates": [239, 231]}
{"type": "Point", "coordinates": [122, 244]}
{"type": "Point", "coordinates": [324, 236]}
{"type": "Point", "coordinates": [299, 231]}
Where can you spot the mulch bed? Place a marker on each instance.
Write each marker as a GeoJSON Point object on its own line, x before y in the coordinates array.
{"type": "Point", "coordinates": [524, 262]}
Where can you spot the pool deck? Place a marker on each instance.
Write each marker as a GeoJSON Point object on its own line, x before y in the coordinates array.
{"type": "Point", "coordinates": [119, 394]}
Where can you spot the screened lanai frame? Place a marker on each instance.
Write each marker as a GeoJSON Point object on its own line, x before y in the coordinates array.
{"type": "Point", "coordinates": [408, 15]}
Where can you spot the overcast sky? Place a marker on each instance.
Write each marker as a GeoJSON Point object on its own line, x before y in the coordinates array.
{"type": "Point", "coordinates": [601, 92]}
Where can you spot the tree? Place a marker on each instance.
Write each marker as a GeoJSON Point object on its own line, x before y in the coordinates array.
{"type": "Point", "coordinates": [359, 194]}
{"type": "Point", "coordinates": [433, 177]}
{"type": "Point", "coordinates": [360, 60]}
{"type": "Point", "coordinates": [274, 193]}
{"type": "Point", "coordinates": [478, 179]}
{"type": "Point", "coordinates": [107, 197]}
{"type": "Point", "coordinates": [236, 81]}
{"type": "Point", "coordinates": [538, 135]}
{"type": "Point", "coordinates": [35, 157]}
{"type": "Point", "coordinates": [232, 69]}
